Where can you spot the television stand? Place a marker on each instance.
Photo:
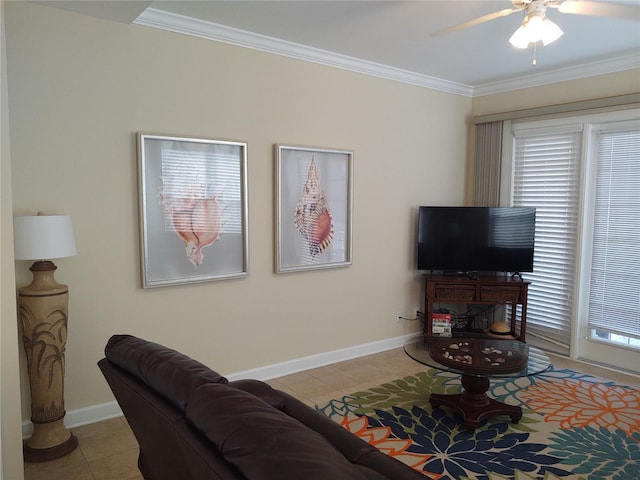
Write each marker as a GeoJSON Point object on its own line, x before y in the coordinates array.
{"type": "Point", "coordinates": [482, 290]}
{"type": "Point", "coordinates": [472, 274]}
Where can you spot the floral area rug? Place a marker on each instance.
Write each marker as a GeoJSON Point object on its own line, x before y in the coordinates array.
{"type": "Point", "coordinates": [574, 426]}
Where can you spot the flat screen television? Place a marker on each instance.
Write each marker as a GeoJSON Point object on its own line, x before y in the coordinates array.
{"type": "Point", "coordinates": [463, 240]}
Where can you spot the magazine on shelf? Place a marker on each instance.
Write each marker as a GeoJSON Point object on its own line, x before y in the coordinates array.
{"type": "Point", "coordinates": [441, 324]}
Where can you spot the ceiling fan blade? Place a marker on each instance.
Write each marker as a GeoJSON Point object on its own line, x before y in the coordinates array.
{"type": "Point", "coordinates": [476, 21]}
{"type": "Point", "coordinates": [600, 9]}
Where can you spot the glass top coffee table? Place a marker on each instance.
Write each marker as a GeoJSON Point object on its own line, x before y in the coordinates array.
{"type": "Point", "coordinates": [477, 360]}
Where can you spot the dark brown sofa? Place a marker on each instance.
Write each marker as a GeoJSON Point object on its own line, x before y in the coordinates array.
{"type": "Point", "coordinates": [192, 423]}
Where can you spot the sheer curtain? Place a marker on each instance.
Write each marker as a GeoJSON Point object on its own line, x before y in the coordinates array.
{"type": "Point", "coordinates": [488, 164]}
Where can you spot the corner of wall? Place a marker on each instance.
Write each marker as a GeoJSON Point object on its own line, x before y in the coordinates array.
{"type": "Point", "coordinates": [11, 463]}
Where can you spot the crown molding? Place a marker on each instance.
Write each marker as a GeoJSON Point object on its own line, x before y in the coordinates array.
{"type": "Point", "coordinates": [176, 23]}
{"type": "Point", "coordinates": [221, 33]}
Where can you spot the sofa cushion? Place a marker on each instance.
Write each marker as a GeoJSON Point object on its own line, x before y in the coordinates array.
{"type": "Point", "coordinates": [170, 373]}
{"type": "Point", "coordinates": [262, 442]}
{"type": "Point", "coordinates": [351, 446]}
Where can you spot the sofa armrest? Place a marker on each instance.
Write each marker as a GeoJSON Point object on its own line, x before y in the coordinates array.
{"type": "Point", "coordinates": [151, 420]}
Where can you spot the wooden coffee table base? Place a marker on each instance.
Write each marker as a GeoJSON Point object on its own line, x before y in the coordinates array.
{"type": "Point", "coordinates": [474, 404]}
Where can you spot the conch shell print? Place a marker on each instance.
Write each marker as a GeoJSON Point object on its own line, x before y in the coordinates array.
{"type": "Point", "coordinates": [196, 217]}
{"type": "Point", "coordinates": [313, 218]}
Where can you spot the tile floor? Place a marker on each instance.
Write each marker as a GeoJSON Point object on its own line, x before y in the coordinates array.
{"type": "Point", "coordinates": [108, 450]}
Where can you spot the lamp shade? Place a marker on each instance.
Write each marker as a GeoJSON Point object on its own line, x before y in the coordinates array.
{"type": "Point", "coordinates": [41, 237]}
{"type": "Point", "coordinates": [535, 29]}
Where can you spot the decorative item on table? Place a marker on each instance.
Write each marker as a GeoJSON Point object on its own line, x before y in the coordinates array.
{"type": "Point", "coordinates": [480, 356]}
{"type": "Point", "coordinates": [43, 312]}
{"type": "Point", "coordinates": [500, 330]}
{"type": "Point", "coordinates": [441, 324]}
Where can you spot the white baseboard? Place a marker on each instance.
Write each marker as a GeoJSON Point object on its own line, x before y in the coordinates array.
{"type": "Point", "coordinates": [314, 361]}
{"type": "Point", "coordinates": [82, 416]}
{"type": "Point", "coordinates": [106, 411]}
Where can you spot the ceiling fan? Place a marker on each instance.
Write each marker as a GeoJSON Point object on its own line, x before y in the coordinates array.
{"type": "Point", "coordinates": [537, 27]}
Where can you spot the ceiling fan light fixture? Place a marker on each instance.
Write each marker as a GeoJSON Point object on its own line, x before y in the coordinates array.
{"type": "Point", "coordinates": [535, 28]}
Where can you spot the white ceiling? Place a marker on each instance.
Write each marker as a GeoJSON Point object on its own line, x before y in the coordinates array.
{"type": "Point", "coordinates": [393, 38]}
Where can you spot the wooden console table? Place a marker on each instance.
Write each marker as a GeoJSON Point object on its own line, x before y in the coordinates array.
{"type": "Point", "coordinates": [485, 290]}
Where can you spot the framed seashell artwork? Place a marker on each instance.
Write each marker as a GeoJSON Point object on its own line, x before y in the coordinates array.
{"type": "Point", "coordinates": [314, 196]}
{"type": "Point", "coordinates": [193, 209]}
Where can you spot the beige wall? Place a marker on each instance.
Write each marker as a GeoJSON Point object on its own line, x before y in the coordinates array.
{"type": "Point", "coordinates": [10, 419]}
{"type": "Point", "coordinates": [619, 83]}
{"type": "Point", "coordinates": [79, 90]}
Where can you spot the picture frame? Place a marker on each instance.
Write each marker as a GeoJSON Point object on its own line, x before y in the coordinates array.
{"type": "Point", "coordinates": [193, 209]}
{"type": "Point", "coordinates": [313, 208]}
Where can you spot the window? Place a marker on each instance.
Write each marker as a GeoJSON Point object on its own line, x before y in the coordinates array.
{"type": "Point", "coordinates": [546, 174]}
{"type": "Point", "coordinates": [583, 177]}
{"type": "Point", "coordinates": [614, 290]}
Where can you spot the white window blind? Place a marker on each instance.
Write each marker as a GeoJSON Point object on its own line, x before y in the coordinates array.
{"type": "Point", "coordinates": [546, 175]}
{"type": "Point", "coordinates": [614, 294]}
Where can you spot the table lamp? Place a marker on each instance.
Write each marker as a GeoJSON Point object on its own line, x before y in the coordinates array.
{"type": "Point", "coordinates": [42, 310]}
